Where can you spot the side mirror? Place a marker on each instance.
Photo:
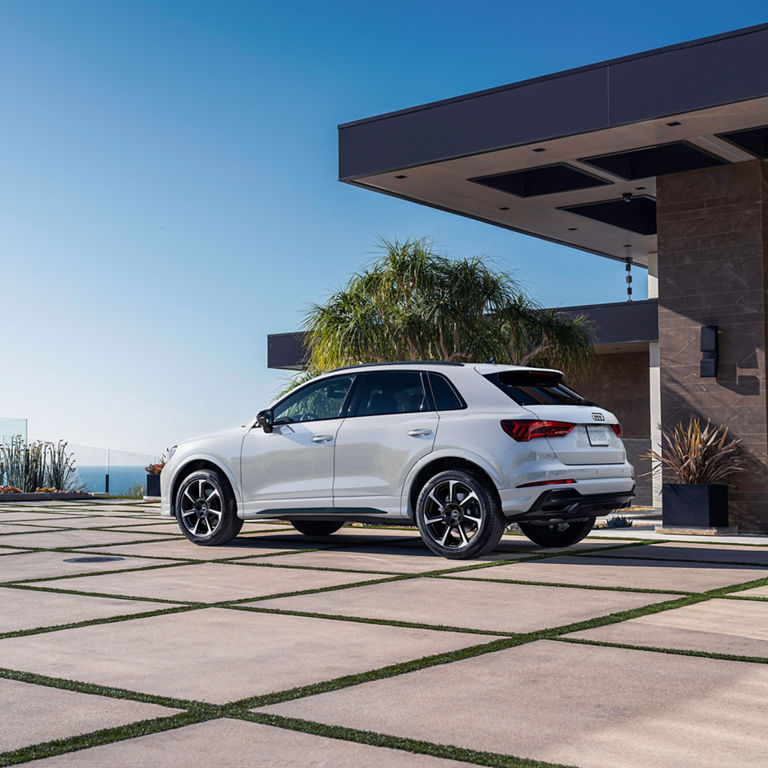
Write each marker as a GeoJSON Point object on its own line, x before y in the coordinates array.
{"type": "Point", "coordinates": [264, 419]}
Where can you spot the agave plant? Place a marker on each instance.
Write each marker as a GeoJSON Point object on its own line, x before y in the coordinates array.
{"type": "Point", "coordinates": [696, 454]}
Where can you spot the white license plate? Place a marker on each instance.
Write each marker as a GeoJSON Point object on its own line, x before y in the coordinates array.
{"type": "Point", "coordinates": [597, 435]}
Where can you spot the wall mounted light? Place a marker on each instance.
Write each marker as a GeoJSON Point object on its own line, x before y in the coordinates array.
{"type": "Point", "coordinates": [708, 351]}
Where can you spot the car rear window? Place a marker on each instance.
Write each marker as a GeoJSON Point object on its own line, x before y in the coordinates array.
{"type": "Point", "coordinates": [536, 388]}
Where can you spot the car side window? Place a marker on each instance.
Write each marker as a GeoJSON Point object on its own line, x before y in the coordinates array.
{"type": "Point", "coordinates": [384, 392]}
{"type": "Point", "coordinates": [321, 400]}
{"type": "Point", "coordinates": [445, 394]}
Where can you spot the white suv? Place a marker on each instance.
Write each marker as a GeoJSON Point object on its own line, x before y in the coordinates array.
{"type": "Point", "coordinates": [461, 449]}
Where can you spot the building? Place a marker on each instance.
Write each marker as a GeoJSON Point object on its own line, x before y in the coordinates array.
{"type": "Point", "coordinates": [658, 158]}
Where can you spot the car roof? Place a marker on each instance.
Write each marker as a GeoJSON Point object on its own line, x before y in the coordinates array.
{"type": "Point", "coordinates": [482, 368]}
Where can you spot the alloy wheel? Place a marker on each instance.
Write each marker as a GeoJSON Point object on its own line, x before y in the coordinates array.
{"type": "Point", "coordinates": [453, 514]}
{"type": "Point", "coordinates": [201, 507]}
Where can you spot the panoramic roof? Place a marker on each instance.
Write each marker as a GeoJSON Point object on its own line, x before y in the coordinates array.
{"type": "Point", "coordinates": [573, 157]}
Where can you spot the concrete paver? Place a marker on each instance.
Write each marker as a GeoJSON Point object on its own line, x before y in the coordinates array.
{"type": "Point", "coordinates": [241, 744]}
{"type": "Point", "coordinates": [12, 528]}
{"type": "Point", "coordinates": [40, 565]}
{"type": "Point", "coordinates": [594, 707]}
{"type": "Point", "coordinates": [209, 582]}
{"type": "Point", "coordinates": [180, 547]}
{"type": "Point", "coordinates": [219, 655]}
{"type": "Point", "coordinates": [738, 627]}
{"type": "Point", "coordinates": [24, 609]}
{"type": "Point", "coordinates": [622, 572]}
{"type": "Point", "coordinates": [65, 537]}
{"type": "Point", "coordinates": [476, 605]}
{"type": "Point", "coordinates": [36, 713]}
{"type": "Point", "coordinates": [673, 550]}
{"type": "Point", "coordinates": [97, 521]}
{"type": "Point", "coordinates": [392, 559]}
{"type": "Point", "coordinates": [755, 592]}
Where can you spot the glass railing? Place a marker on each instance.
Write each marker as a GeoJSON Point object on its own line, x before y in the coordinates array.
{"type": "Point", "coordinates": [107, 470]}
{"type": "Point", "coordinates": [9, 428]}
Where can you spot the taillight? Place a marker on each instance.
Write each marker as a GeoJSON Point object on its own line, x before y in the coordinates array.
{"type": "Point", "coordinates": [617, 429]}
{"type": "Point", "coordinates": [525, 430]}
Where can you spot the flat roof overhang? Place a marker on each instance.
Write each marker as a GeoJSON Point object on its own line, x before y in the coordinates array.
{"type": "Point", "coordinates": [555, 157]}
{"type": "Point", "coordinates": [616, 327]}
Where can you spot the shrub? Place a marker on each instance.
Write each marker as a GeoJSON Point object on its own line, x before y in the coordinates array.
{"type": "Point", "coordinates": [618, 522]}
{"type": "Point", "coordinates": [29, 466]}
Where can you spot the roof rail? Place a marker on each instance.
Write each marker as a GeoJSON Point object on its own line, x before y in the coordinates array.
{"type": "Point", "coordinates": [399, 362]}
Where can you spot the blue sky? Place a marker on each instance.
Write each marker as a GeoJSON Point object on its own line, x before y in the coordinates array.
{"type": "Point", "coordinates": [168, 190]}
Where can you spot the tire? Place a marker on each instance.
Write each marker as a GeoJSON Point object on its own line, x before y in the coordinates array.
{"type": "Point", "coordinates": [458, 515]}
{"type": "Point", "coordinates": [316, 527]}
{"type": "Point", "coordinates": [557, 534]}
{"type": "Point", "coordinates": [206, 510]}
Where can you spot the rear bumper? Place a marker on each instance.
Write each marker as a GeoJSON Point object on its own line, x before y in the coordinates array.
{"type": "Point", "coordinates": [571, 505]}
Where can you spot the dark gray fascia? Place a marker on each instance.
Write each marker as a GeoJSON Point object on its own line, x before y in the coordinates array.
{"type": "Point", "coordinates": [698, 74]}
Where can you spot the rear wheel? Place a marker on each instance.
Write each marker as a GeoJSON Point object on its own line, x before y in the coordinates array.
{"type": "Point", "coordinates": [458, 515]}
{"type": "Point", "coordinates": [206, 509]}
{"type": "Point", "coordinates": [316, 527]}
{"type": "Point", "coordinates": [557, 534]}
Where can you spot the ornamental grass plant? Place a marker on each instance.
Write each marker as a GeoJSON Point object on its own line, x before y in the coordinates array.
{"type": "Point", "coordinates": [697, 454]}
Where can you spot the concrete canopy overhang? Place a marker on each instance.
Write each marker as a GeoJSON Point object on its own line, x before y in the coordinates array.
{"type": "Point", "coordinates": [554, 157]}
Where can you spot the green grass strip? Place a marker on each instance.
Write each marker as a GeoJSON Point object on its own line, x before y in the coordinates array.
{"type": "Point", "coordinates": [672, 651]}
{"type": "Point", "coordinates": [105, 736]}
{"type": "Point", "coordinates": [444, 751]}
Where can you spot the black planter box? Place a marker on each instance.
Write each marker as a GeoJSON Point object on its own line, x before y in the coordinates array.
{"type": "Point", "coordinates": [694, 506]}
{"type": "Point", "coordinates": [153, 485]}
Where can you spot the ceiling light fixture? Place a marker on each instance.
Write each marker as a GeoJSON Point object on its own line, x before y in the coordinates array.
{"type": "Point", "coordinates": [401, 176]}
{"type": "Point", "coordinates": [539, 149]}
{"type": "Point", "coordinates": [674, 123]}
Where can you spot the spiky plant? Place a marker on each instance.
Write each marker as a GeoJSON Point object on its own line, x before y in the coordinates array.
{"type": "Point", "coordinates": [696, 454]}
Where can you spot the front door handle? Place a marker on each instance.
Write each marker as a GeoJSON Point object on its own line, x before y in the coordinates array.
{"type": "Point", "coordinates": [322, 438]}
{"type": "Point", "coordinates": [420, 432]}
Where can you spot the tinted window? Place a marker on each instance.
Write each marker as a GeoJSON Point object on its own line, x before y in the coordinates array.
{"type": "Point", "coordinates": [446, 397]}
{"type": "Point", "coordinates": [322, 400]}
{"type": "Point", "coordinates": [536, 388]}
{"type": "Point", "coordinates": [391, 392]}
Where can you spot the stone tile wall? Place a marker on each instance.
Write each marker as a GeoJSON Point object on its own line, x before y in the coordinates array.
{"type": "Point", "coordinates": [712, 233]}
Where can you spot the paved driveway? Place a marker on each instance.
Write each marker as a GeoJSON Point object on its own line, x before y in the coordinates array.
{"type": "Point", "coordinates": [121, 643]}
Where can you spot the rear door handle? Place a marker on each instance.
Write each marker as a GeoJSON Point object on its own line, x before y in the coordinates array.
{"type": "Point", "coordinates": [420, 432]}
{"type": "Point", "coordinates": [322, 438]}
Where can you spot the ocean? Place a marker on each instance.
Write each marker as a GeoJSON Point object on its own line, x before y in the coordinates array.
{"type": "Point", "coordinates": [121, 478]}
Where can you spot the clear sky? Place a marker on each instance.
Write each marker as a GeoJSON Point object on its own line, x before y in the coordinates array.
{"type": "Point", "coordinates": [168, 190]}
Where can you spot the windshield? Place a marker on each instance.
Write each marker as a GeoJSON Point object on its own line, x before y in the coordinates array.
{"type": "Point", "coordinates": [536, 388]}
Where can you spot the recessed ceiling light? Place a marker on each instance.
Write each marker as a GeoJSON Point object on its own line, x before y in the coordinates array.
{"type": "Point", "coordinates": [539, 149]}
{"type": "Point", "coordinates": [674, 123]}
{"type": "Point", "coordinates": [572, 229]}
{"type": "Point", "coordinates": [401, 176]}
{"type": "Point", "coordinates": [627, 245]}
{"type": "Point", "coordinates": [504, 208]}
{"type": "Point", "coordinates": [639, 187]}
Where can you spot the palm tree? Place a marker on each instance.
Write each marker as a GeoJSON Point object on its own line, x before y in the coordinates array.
{"type": "Point", "coordinates": [413, 304]}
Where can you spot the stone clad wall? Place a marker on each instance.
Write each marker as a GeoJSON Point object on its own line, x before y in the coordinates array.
{"type": "Point", "coordinates": [619, 382]}
{"type": "Point", "coordinates": [712, 232]}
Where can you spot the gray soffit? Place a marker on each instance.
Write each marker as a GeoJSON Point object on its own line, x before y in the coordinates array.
{"type": "Point", "coordinates": [619, 327]}
{"type": "Point", "coordinates": [524, 156]}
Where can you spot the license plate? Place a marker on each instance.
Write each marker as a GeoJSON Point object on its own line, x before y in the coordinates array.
{"type": "Point", "coordinates": [597, 435]}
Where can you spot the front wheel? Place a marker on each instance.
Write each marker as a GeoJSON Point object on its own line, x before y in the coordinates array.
{"type": "Point", "coordinates": [557, 534]}
{"type": "Point", "coordinates": [316, 527]}
{"type": "Point", "coordinates": [206, 509]}
{"type": "Point", "coordinates": [458, 515]}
